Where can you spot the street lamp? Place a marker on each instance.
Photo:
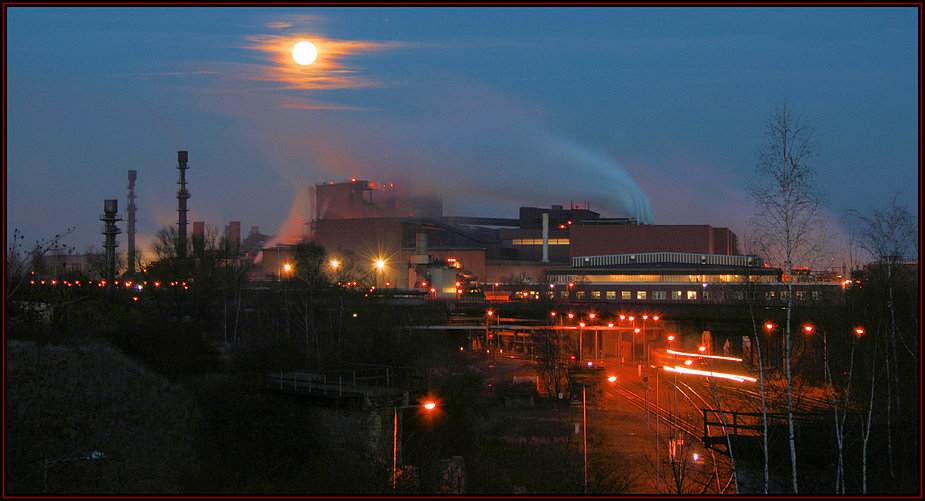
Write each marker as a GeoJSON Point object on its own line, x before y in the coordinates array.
{"type": "Point", "coordinates": [632, 319]}
{"type": "Point", "coordinates": [595, 331]}
{"type": "Point", "coordinates": [488, 336]}
{"type": "Point", "coordinates": [581, 326]}
{"type": "Point", "coordinates": [584, 426]}
{"type": "Point", "coordinates": [427, 406]}
{"type": "Point", "coordinates": [647, 381]}
{"type": "Point", "coordinates": [380, 265]}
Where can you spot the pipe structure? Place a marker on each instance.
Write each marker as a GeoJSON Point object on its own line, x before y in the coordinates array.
{"type": "Point", "coordinates": [109, 218]}
{"type": "Point", "coordinates": [130, 227]}
{"type": "Point", "coordinates": [182, 196]}
{"type": "Point", "coordinates": [545, 237]}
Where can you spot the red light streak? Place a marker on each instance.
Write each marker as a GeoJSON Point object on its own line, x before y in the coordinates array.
{"type": "Point", "coordinates": [701, 355]}
{"type": "Point", "coordinates": [734, 377]}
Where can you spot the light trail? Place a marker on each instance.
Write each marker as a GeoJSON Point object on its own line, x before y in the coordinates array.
{"type": "Point", "coordinates": [734, 377]}
{"type": "Point", "coordinates": [701, 355]}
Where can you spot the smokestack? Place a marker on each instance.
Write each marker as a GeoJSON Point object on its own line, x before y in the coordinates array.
{"type": "Point", "coordinates": [182, 196]}
{"type": "Point", "coordinates": [233, 235]}
{"type": "Point", "coordinates": [132, 175]}
{"type": "Point", "coordinates": [545, 237]}
{"type": "Point", "coordinates": [109, 218]}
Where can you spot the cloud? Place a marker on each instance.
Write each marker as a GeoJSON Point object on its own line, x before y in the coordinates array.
{"type": "Point", "coordinates": [329, 71]}
{"type": "Point", "coordinates": [294, 103]}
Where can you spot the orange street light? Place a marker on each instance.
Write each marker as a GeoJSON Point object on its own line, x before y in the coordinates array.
{"type": "Point", "coordinates": [428, 406]}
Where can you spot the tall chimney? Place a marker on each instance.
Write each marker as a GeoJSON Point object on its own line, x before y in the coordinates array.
{"type": "Point", "coordinates": [182, 195]}
{"type": "Point", "coordinates": [545, 237]}
{"type": "Point", "coordinates": [132, 175]}
{"type": "Point", "coordinates": [233, 235]}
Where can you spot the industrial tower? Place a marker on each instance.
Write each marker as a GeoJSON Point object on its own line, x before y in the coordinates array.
{"type": "Point", "coordinates": [130, 209]}
{"type": "Point", "coordinates": [182, 195]}
{"type": "Point", "coordinates": [109, 218]}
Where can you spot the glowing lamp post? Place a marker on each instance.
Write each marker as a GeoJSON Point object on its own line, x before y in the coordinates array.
{"type": "Point", "coordinates": [647, 380]}
{"type": "Point", "coordinates": [581, 325]}
{"type": "Point", "coordinates": [380, 265]}
{"type": "Point", "coordinates": [395, 438]}
{"type": "Point", "coordinates": [488, 335]}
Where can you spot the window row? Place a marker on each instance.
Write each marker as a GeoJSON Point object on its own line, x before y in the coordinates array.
{"type": "Point", "coordinates": [676, 295]}
{"type": "Point", "coordinates": [539, 241]}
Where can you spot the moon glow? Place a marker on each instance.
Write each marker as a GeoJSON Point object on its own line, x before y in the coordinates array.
{"type": "Point", "coordinates": [304, 53]}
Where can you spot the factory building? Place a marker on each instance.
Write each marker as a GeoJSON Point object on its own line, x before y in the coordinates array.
{"type": "Point", "coordinates": [550, 253]}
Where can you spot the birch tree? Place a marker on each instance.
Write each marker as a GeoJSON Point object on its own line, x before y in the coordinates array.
{"type": "Point", "coordinates": [787, 225]}
{"type": "Point", "coordinates": [891, 235]}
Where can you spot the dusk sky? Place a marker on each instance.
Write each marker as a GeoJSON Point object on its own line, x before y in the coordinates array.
{"type": "Point", "coordinates": [652, 113]}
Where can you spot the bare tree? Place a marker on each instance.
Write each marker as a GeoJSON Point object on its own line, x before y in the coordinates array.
{"type": "Point", "coordinates": [787, 226]}
{"type": "Point", "coordinates": [18, 262]}
{"type": "Point", "coordinates": [890, 235]}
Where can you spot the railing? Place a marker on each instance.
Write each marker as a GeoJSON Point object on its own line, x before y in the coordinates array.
{"type": "Point", "coordinates": [349, 380]}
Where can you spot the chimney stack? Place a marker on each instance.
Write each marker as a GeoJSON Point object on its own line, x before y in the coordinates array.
{"type": "Point", "coordinates": [182, 196]}
{"type": "Point", "coordinates": [132, 175]}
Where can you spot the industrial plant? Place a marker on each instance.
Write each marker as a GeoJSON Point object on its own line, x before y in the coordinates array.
{"type": "Point", "coordinates": [383, 300]}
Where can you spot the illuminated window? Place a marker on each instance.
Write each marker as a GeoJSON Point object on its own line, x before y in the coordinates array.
{"type": "Point", "coordinates": [769, 295]}
{"type": "Point", "coordinates": [691, 294]}
{"type": "Point", "coordinates": [580, 295]}
{"type": "Point", "coordinates": [611, 294]}
{"type": "Point", "coordinates": [640, 294]}
{"type": "Point", "coordinates": [658, 295]}
{"type": "Point", "coordinates": [595, 294]}
{"type": "Point", "coordinates": [626, 295]}
{"type": "Point", "coordinates": [550, 294]}
{"type": "Point", "coordinates": [783, 295]}
{"type": "Point", "coordinates": [675, 294]}
{"type": "Point", "coordinates": [801, 296]}
{"type": "Point", "coordinates": [817, 295]}
{"type": "Point", "coordinates": [706, 294]}
{"type": "Point", "coordinates": [539, 241]}
{"type": "Point", "coordinates": [563, 294]}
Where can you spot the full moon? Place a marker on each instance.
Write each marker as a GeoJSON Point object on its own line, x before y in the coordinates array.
{"type": "Point", "coordinates": [304, 52]}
